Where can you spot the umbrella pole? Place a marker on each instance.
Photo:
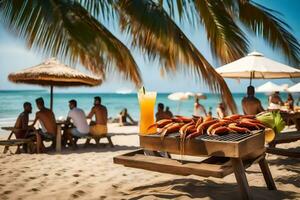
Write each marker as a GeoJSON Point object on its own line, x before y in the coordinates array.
{"type": "Point", "coordinates": [51, 97]}
{"type": "Point", "coordinates": [251, 78]}
{"type": "Point", "coordinates": [178, 108]}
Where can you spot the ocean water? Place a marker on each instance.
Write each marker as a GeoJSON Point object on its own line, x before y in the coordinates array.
{"type": "Point", "coordinates": [11, 103]}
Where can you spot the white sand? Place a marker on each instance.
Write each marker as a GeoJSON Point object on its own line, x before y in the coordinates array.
{"type": "Point", "coordinates": [89, 173]}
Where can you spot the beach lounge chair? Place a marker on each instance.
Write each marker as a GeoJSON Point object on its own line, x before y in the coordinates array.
{"type": "Point", "coordinates": [285, 137]}
{"type": "Point", "coordinates": [15, 142]}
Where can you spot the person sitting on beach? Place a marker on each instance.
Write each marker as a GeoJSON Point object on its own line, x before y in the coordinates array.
{"type": "Point", "coordinates": [290, 102]}
{"type": "Point", "coordinates": [21, 126]}
{"type": "Point", "coordinates": [221, 111]}
{"type": "Point", "coordinates": [275, 101]}
{"type": "Point", "coordinates": [198, 108]}
{"type": "Point", "coordinates": [46, 119]}
{"type": "Point", "coordinates": [100, 126]}
{"type": "Point", "coordinates": [168, 113]}
{"type": "Point", "coordinates": [80, 126]}
{"type": "Point", "coordinates": [251, 105]}
{"type": "Point", "coordinates": [123, 118]}
{"type": "Point", "coordinates": [161, 114]}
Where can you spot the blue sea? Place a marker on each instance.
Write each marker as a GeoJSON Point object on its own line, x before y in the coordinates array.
{"type": "Point", "coordinates": [11, 102]}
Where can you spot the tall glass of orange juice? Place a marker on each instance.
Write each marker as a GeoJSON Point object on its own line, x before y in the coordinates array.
{"type": "Point", "coordinates": [147, 103]}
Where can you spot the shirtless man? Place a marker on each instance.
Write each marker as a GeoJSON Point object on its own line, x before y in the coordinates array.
{"type": "Point", "coordinates": [168, 112]}
{"type": "Point", "coordinates": [100, 112]}
{"type": "Point", "coordinates": [251, 105]}
{"type": "Point", "coordinates": [21, 128]}
{"type": "Point", "coordinates": [21, 125]}
{"type": "Point", "coordinates": [47, 121]}
{"type": "Point", "coordinates": [123, 116]}
{"type": "Point", "coordinates": [160, 114]}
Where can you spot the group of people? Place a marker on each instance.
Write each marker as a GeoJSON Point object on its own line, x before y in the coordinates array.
{"type": "Point", "coordinates": [252, 105]}
{"type": "Point", "coordinates": [199, 110]}
{"type": "Point", "coordinates": [75, 126]}
{"type": "Point", "coordinates": [163, 113]}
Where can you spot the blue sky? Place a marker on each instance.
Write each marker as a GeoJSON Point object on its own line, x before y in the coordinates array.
{"type": "Point", "coordinates": [15, 56]}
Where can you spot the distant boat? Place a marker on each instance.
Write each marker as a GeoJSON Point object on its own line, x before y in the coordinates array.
{"type": "Point", "coordinates": [124, 91]}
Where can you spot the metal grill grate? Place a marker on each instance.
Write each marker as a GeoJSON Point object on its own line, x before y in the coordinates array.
{"type": "Point", "coordinates": [233, 137]}
{"type": "Point", "coordinates": [229, 137]}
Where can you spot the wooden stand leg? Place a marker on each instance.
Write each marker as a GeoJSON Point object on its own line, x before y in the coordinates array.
{"type": "Point", "coordinates": [87, 142]}
{"type": "Point", "coordinates": [38, 143]}
{"type": "Point", "coordinates": [97, 140]}
{"type": "Point", "coordinates": [7, 147]}
{"type": "Point", "coordinates": [58, 139]}
{"type": "Point", "coordinates": [110, 142]}
{"type": "Point", "coordinates": [267, 174]}
{"type": "Point", "coordinates": [239, 172]}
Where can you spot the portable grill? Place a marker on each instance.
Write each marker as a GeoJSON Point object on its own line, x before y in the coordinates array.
{"type": "Point", "coordinates": [229, 145]}
{"type": "Point", "coordinates": [231, 153]}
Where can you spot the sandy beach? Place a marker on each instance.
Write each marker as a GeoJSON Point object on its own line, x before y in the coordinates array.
{"type": "Point", "coordinates": [89, 173]}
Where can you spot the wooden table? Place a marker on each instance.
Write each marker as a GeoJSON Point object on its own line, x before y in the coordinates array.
{"type": "Point", "coordinates": [224, 158]}
{"type": "Point", "coordinates": [59, 124]}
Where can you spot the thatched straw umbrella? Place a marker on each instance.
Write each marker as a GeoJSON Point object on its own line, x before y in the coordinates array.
{"type": "Point", "coordinates": [53, 73]}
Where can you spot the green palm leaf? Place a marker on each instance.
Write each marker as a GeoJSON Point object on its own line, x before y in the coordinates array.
{"type": "Point", "coordinates": [264, 22]}
{"type": "Point", "coordinates": [227, 40]}
{"type": "Point", "coordinates": [65, 28]}
{"type": "Point", "coordinates": [156, 34]}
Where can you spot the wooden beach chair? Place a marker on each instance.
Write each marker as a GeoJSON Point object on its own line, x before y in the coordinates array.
{"type": "Point", "coordinates": [97, 139]}
{"type": "Point", "coordinates": [14, 142]}
{"type": "Point", "coordinates": [285, 137]}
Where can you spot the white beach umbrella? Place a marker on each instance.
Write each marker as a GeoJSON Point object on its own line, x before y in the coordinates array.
{"type": "Point", "coordinates": [179, 96]}
{"type": "Point", "coordinates": [269, 87]}
{"type": "Point", "coordinates": [294, 88]}
{"type": "Point", "coordinates": [256, 66]}
{"type": "Point", "coordinates": [285, 86]}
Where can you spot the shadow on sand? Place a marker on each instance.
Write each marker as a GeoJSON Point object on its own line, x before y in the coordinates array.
{"type": "Point", "coordinates": [92, 148]}
{"type": "Point", "coordinates": [289, 164]}
{"type": "Point", "coordinates": [193, 188]}
{"type": "Point", "coordinates": [286, 163]}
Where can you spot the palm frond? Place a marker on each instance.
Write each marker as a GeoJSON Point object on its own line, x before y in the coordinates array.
{"type": "Point", "coordinates": [227, 40]}
{"type": "Point", "coordinates": [264, 22]}
{"type": "Point", "coordinates": [65, 29]}
{"type": "Point", "coordinates": [156, 34]}
{"type": "Point", "coordinates": [99, 8]}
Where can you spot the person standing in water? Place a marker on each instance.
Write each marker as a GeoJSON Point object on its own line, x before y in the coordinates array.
{"type": "Point", "coordinates": [198, 108]}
